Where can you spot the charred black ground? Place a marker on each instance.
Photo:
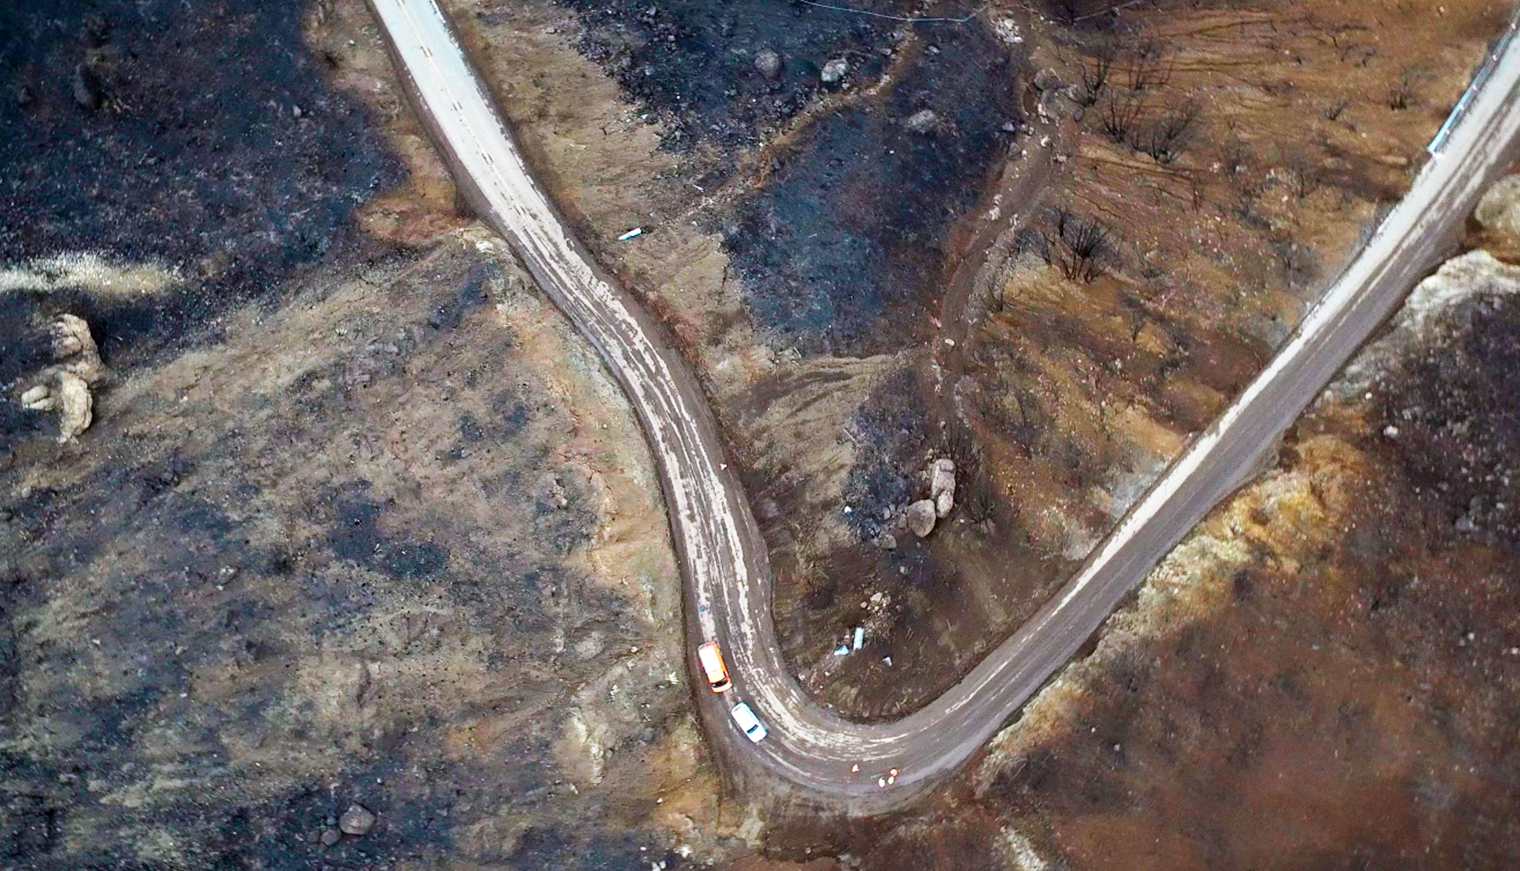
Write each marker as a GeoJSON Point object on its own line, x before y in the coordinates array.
{"type": "Point", "coordinates": [199, 134]}
{"type": "Point", "coordinates": [845, 234]}
{"type": "Point", "coordinates": [693, 61]}
{"type": "Point", "coordinates": [893, 440]}
{"type": "Point", "coordinates": [841, 248]}
{"type": "Point", "coordinates": [200, 586]}
{"type": "Point", "coordinates": [1454, 410]}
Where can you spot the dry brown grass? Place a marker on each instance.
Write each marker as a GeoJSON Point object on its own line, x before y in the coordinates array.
{"type": "Point", "coordinates": [1083, 389]}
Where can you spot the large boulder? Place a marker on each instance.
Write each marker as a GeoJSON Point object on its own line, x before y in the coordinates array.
{"type": "Point", "coordinates": [834, 71]}
{"type": "Point", "coordinates": [920, 517]}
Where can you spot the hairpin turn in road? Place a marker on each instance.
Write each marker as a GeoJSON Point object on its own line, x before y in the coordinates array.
{"type": "Point", "coordinates": [869, 768]}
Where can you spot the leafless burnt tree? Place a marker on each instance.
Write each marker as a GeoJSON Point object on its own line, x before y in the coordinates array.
{"type": "Point", "coordinates": [1119, 114]}
{"type": "Point", "coordinates": [1234, 155]}
{"type": "Point", "coordinates": [1165, 138]}
{"type": "Point", "coordinates": [1303, 175]}
{"type": "Point", "coordinates": [1148, 72]}
{"type": "Point", "coordinates": [1401, 94]}
{"type": "Point", "coordinates": [1082, 247]}
{"type": "Point", "coordinates": [1096, 74]}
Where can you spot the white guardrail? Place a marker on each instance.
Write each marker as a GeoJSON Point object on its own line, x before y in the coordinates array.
{"type": "Point", "coordinates": [1474, 86]}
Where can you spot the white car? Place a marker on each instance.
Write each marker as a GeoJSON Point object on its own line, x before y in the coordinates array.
{"type": "Point", "coordinates": [749, 724]}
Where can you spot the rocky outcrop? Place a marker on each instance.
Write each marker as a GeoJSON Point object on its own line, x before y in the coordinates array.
{"type": "Point", "coordinates": [65, 387]}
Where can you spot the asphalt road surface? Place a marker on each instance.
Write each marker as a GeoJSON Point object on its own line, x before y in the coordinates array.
{"type": "Point", "coordinates": [824, 759]}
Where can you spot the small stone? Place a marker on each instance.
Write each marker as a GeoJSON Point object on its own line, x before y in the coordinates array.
{"type": "Point", "coordinates": [590, 647]}
{"type": "Point", "coordinates": [885, 541]}
{"type": "Point", "coordinates": [330, 837]}
{"type": "Point", "coordinates": [769, 64]}
{"type": "Point", "coordinates": [1047, 79]}
{"type": "Point", "coordinates": [1009, 127]}
{"type": "Point", "coordinates": [922, 121]}
{"type": "Point", "coordinates": [296, 112]}
{"type": "Point", "coordinates": [357, 820]}
{"type": "Point", "coordinates": [1390, 432]}
{"type": "Point", "coordinates": [834, 71]}
{"type": "Point", "coordinates": [920, 517]}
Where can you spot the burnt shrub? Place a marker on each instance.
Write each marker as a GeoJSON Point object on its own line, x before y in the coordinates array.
{"type": "Point", "coordinates": [891, 437]}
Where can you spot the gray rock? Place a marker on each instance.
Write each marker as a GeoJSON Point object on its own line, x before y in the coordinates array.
{"type": "Point", "coordinates": [834, 71]}
{"type": "Point", "coordinates": [769, 64]}
{"type": "Point", "coordinates": [942, 485]}
{"type": "Point", "coordinates": [1499, 210]}
{"type": "Point", "coordinates": [86, 86]}
{"type": "Point", "coordinates": [357, 820]}
{"type": "Point", "coordinates": [590, 647]}
{"type": "Point", "coordinates": [330, 837]}
{"type": "Point", "coordinates": [885, 541]}
{"type": "Point", "coordinates": [922, 121]}
{"type": "Point", "coordinates": [920, 517]}
{"type": "Point", "coordinates": [1047, 79]}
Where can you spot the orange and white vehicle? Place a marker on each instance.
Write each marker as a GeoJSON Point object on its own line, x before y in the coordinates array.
{"type": "Point", "coordinates": [712, 665]}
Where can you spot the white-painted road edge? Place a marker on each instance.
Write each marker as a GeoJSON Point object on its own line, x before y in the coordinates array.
{"type": "Point", "coordinates": [727, 573]}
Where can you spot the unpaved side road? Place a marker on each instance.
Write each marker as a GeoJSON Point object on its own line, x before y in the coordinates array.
{"type": "Point", "coordinates": [826, 759]}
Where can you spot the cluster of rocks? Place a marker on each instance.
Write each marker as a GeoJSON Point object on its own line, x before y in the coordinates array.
{"type": "Point", "coordinates": [356, 822]}
{"type": "Point", "coordinates": [1057, 99]}
{"type": "Point", "coordinates": [768, 63]}
{"type": "Point", "coordinates": [65, 386]}
{"type": "Point", "coordinates": [920, 517]}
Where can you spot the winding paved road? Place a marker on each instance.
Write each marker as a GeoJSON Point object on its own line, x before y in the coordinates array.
{"type": "Point", "coordinates": [727, 575]}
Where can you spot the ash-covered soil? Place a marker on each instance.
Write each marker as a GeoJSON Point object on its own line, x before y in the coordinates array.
{"type": "Point", "coordinates": [395, 545]}
{"type": "Point", "coordinates": [699, 64]}
{"type": "Point", "coordinates": [842, 240]}
{"type": "Point", "coordinates": [843, 246]}
{"type": "Point", "coordinates": [200, 136]}
{"type": "Point", "coordinates": [1457, 423]}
